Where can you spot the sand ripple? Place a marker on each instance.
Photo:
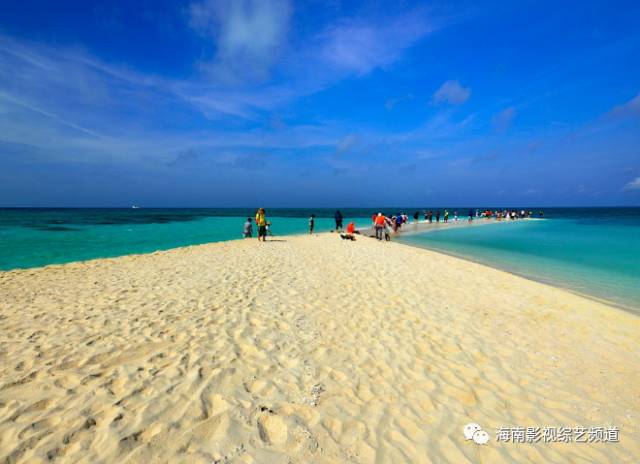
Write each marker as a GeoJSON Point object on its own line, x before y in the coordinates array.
{"type": "Point", "coordinates": [307, 349]}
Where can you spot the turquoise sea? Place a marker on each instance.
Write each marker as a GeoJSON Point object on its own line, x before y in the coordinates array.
{"type": "Point", "coordinates": [591, 251]}
{"type": "Point", "coordinates": [595, 251]}
{"type": "Point", "coordinates": [31, 237]}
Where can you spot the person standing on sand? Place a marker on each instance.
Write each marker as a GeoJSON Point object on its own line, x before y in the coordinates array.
{"type": "Point", "coordinates": [416, 215]}
{"type": "Point", "coordinates": [261, 222]}
{"type": "Point", "coordinates": [379, 225]}
{"type": "Point", "coordinates": [471, 215]}
{"type": "Point", "coordinates": [446, 216]}
{"type": "Point", "coordinates": [312, 223]}
{"type": "Point", "coordinates": [338, 217]}
{"type": "Point", "coordinates": [248, 229]}
{"type": "Point", "coordinates": [438, 216]}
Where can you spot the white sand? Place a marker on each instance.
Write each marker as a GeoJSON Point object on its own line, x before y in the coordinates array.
{"type": "Point", "coordinates": [307, 349]}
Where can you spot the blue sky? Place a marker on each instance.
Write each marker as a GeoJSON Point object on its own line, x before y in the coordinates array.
{"type": "Point", "coordinates": [319, 103]}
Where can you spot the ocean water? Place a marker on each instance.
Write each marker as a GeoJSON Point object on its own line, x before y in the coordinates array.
{"type": "Point", "coordinates": [595, 251]}
{"type": "Point", "coordinates": [31, 237]}
{"type": "Point", "coordinates": [592, 251]}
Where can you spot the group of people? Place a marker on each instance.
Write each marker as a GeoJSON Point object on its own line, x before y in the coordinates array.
{"type": "Point", "coordinates": [383, 225]}
{"type": "Point", "coordinates": [264, 226]}
{"type": "Point", "coordinates": [512, 214]}
{"type": "Point", "coordinates": [351, 227]}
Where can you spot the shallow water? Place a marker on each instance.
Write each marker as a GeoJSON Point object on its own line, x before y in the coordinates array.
{"type": "Point", "coordinates": [37, 237]}
{"type": "Point", "coordinates": [590, 250]}
{"type": "Point", "coordinates": [595, 253]}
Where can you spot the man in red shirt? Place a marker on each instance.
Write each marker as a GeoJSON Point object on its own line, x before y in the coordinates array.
{"type": "Point", "coordinates": [379, 225]}
{"type": "Point", "coordinates": [351, 230]}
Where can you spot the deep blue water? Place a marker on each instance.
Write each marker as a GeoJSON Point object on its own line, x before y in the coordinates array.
{"type": "Point", "coordinates": [590, 250]}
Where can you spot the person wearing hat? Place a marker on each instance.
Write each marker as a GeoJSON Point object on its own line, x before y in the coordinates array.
{"type": "Point", "coordinates": [379, 224]}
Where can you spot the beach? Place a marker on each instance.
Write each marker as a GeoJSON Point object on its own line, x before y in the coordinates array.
{"type": "Point", "coordinates": [306, 349]}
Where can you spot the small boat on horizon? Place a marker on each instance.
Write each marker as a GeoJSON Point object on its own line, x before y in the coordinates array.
{"type": "Point", "coordinates": [134, 207]}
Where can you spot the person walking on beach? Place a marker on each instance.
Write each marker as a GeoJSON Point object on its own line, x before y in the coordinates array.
{"type": "Point", "coordinates": [416, 215]}
{"type": "Point", "coordinates": [379, 223]}
{"type": "Point", "coordinates": [338, 217]}
{"type": "Point", "coordinates": [248, 229]}
{"type": "Point", "coordinates": [438, 216]}
{"type": "Point", "coordinates": [312, 223]}
{"type": "Point", "coordinates": [261, 223]}
{"type": "Point", "coordinates": [470, 215]}
{"type": "Point", "coordinates": [446, 216]}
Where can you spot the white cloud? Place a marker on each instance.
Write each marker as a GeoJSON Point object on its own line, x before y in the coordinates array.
{"type": "Point", "coordinates": [69, 106]}
{"type": "Point", "coordinates": [248, 35]}
{"type": "Point", "coordinates": [632, 185]}
{"type": "Point", "coordinates": [358, 46]}
{"type": "Point", "coordinates": [452, 92]}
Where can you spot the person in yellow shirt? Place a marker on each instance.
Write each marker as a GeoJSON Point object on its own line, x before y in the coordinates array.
{"type": "Point", "coordinates": [261, 222]}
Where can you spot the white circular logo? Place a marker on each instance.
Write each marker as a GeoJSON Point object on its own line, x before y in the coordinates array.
{"type": "Point", "coordinates": [470, 429]}
{"type": "Point", "coordinates": [481, 437]}
{"type": "Point", "coordinates": [473, 431]}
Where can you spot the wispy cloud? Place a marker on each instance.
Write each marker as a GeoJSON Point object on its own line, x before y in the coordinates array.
{"type": "Point", "coordinates": [358, 46]}
{"type": "Point", "coordinates": [628, 109]}
{"type": "Point", "coordinates": [504, 119]}
{"type": "Point", "coordinates": [17, 102]}
{"type": "Point", "coordinates": [74, 89]}
{"type": "Point", "coordinates": [452, 92]}
{"type": "Point", "coordinates": [632, 185]}
{"type": "Point", "coordinates": [347, 143]}
{"type": "Point", "coordinates": [247, 36]}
